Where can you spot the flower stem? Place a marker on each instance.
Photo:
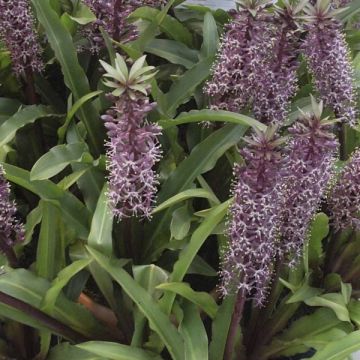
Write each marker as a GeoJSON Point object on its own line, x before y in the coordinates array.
{"type": "Point", "coordinates": [235, 321]}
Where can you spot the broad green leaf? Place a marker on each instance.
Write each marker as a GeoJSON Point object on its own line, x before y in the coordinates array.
{"type": "Point", "coordinates": [74, 75]}
{"type": "Point", "coordinates": [338, 350]}
{"type": "Point", "coordinates": [56, 160]}
{"type": "Point", "coordinates": [27, 287]}
{"type": "Point", "coordinates": [333, 301]}
{"type": "Point", "coordinates": [115, 351]}
{"type": "Point", "coordinates": [83, 15]}
{"type": "Point", "coordinates": [211, 36]}
{"type": "Point", "coordinates": [205, 153]}
{"type": "Point", "coordinates": [24, 116]}
{"type": "Point", "coordinates": [354, 311]}
{"type": "Point", "coordinates": [149, 277]}
{"type": "Point", "coordinates": [194, 333]}
{"type": "Point", "coordinates": [50, 250]}
{"type": "Point", "coordinates": [67, 351]}
{"type": "Point", "coordinates": [100, 236]}
{"type": "Point", "coordinates": [304, 292]}
{"type": "Point", "coordinates": [173, 51]}
{"type": "Point", "coordinates": [185, 195]}
{"type": "Point", "coordinates": [78, 104]}
{"type": "Point", "coordinates": [60, 282]}
{"type": "Point", "coordinates": [8, 107]}
{"type": "Point", "coordinates": [309, 331]}
{"type": "Point", "coordinates": [180, 222]}
{"type": "Point", "coordinates": [212, 115]}
{"type": "Point", "coordinates": [169, 25]}
{"type": "Point", "coordinates": [220, 329]}
{"type": "Point", "coordinates": [158, 321]}
{"type": "Point", "coordinates": [314, 251]}
{"type": "Point", "coordinates": [74, 212]}
{"type": "Point", "coordinates": [202, 299]}
{"type": "Point", "coordinates": [32, 219]}
{"type": "Point", "coordinates": [183, 89]}
{"type": "Point", "coordinates": [187, 255]}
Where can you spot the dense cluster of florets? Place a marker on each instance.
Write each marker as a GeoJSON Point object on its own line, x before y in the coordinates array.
{"type": "Point", "coordinates": [133, 147]}
{"type": "Point", "coordinates": [344, 201]}
{"type": "Point", "coordinates": [329, 61]}
{"type": "Point", "coordinates": [244, 47]}
{"type": "Point", "coordinates": [254, 223]}
{"type": "Point", "coordinates": [18, 33]}
{"type": "Point", "coordinates": [309, 168]}
{"type": "Point", "coordinates": [11, 229]}
{"type": "Point", "coordinates": [112, 16]}
{"type": "Point", "coordinates": [132, 150]}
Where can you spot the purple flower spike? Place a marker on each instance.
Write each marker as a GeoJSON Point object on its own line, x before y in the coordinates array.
{"type": "Point", "coordinates": [328, 57]}
{"type": "Point", "coordinates": [248, 40]}
{"type": "Point", "coordinates": [275, 81]}
{"type": "Point", "coordinates": [11, 230]}
{"type": "Point", "coordinates": [18, 33]}
{"type": "Point", "coordinates": [308, 171]}
{"type": "Point", "coordinates": [344, 200]}
{"type": "Point", "coordinates": [247, 261]}
{"type": "Point", "coordinates": [133, 147]}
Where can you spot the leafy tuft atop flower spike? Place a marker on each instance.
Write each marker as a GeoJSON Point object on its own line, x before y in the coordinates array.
{"type": "Point", "coordinates": [328, 57]}
{"type": "Point", "coordinates": [307, 174]}
{"type": "Point", "coordinates": [133, 148]}
{"type": "Point", "coordinates": [123, 80]}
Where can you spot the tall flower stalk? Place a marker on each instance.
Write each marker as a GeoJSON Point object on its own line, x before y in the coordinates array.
{"type": "Point", "coordinates": [247, 261]}
{"type": "Point", "coordinates": [133, 148]}
{"type": "Point", "coordinates": [18, 33]}
{"type": "Point", "coordinates": [308, 171]}
{"type": "Point", "coordinates": [275, 81]}
{"type": "Point", "coordinates": [329, 61]}
{"type": "Point", "coordinates": [247, 42]}
{"type": "Point", "coordinates": [344, 200]}
{"type": "Point", "coordinates": [11, 229]}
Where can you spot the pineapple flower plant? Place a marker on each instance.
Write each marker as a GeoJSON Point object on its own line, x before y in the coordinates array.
{"type": "Point", "coordinates": [128, 230]}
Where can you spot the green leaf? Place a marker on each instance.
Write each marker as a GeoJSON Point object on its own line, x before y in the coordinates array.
{"type": "Point", "coordinates": [205, 153]}
{"type": "Point", "coordinates": [100, 236]}
{"type": "Point", "coordinates": [27, 287]}
{"type": "Point", "coordinates": [173, 51]}
{"type": "Point", "coordinates": [60, 282]}
{"type": "Point", "coordinates": [211, 36]}
{"type": "Point", "coordinates": [305, 292]}
{"type": "Point", "coordinates": [202, 299]}
{"type": "Point", "coordinates": [8, 107]}
{"type": "Point", "coordinates": [212, 115]}
{"type": "Point", "coordinates": [56, 160]}
{"type": "Point", "coordinates": [50, 250]}
{"type": "Point", "coordinates": [188, 254]}
{"type": "Point", "coordinates": [158, 321]}
{"type": "Point", "coordinates": [149, 277]}
{"type": "Point", "coordinates": [78, 104]}
{"type": "Point", "coordinates": [194, 333]}
{"type": "Point", "coordinates": [220, 329]}
{"type": "Point", "coordinates": [67, 351]}
{"type": "Point", "coordinates": [180, 223]}
{"type": "Point", "coordinates": [183, 89]}
{"type": "Point", "coordinates": [169, 25]}
{"type": "Point", "coordinates": [354, 311]}
{"type": "Point", "coordinates": [338, 350]}
{"type": "Point", "coordinates": [115, 351]}
{"type": "Point", "coordinates": [333, 301]}
{"type": "Point", "coordinates": [24, 116]}
{"type": "Point", "coordinates": [83, 15]}
{"type": "Point", "coordinates": [185, 195]}
{"type": "Point", "coordinates": [73, 210]}
{"type": "Point", "coordinates": [74, 75]}
{"type": "Point", "coordinates": [32, 219]}
{"type": "Point", "coordinates": [314, 251]}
